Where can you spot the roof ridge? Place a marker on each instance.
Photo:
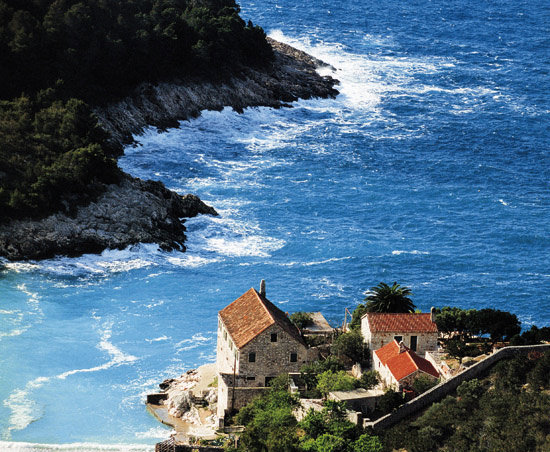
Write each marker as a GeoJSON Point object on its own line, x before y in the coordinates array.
{"type": "Point", "coordinates": [261, 298]}
{"type": "Point", "coordinates": [409, 354]}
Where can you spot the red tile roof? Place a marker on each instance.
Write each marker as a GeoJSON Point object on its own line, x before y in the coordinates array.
{"type": "Point", "coordinates": [404, 363]}
{"type": "Point", "coordinates": [251, 314]}
{"type": "Point", "coordinates": [387, 351]}
{"type": "Point", "coordinates": [403, 323]}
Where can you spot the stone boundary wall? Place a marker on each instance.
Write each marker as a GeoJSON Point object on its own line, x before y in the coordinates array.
{"type": "Point", "coordinates": [445, 388]}
{"type": "Point", "coordinates": [171, 446]}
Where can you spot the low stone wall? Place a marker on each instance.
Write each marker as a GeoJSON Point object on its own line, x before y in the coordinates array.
{"type": "Point", "coordinates": [443, 389]}
{"type": "Point", "coordinates": [243, 396]}
{"type": "Point", "coordinates": [171, 446]}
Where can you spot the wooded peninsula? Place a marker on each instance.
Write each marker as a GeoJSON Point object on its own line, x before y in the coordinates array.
{"type": "Point", "coordinates": [79, 77]}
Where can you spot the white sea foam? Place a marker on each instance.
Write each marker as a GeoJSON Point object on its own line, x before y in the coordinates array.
{"type": "Point", "coordinates": [158, 339]}
{"type": "Point", "coordinates": [312, 263]}
{"type": "Point", "coordinates": [414, 252]}
{"type": "Point", "coordinates": [20, 321]}
{"type": "Point", "coordinates": [191, 261]}
{"type": "Point", "coordinates": [155, 433]}
{"type": "Point", "coordinates": [24, 410]}
{"type": "Point", "coordinates": [75, 447]}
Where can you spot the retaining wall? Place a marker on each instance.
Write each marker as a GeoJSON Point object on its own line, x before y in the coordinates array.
{"type": "Point", "coordinates": [443, 389]}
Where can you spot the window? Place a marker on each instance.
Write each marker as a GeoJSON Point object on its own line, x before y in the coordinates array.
{"type": "Point", "coordinates": [225, 335]}
{"type": "Point", "coordinates": [230, 345]}
{"type": "Point", "coordinates": [414, 340]}
{"type": "Point", "coordinates": [398, 338]}
{"type": "Point", "coordinates": [294, 357]}
{"type": "Point", "coordinates": [250, 378]}
{"type": "Point", "coordinates": [252, 357]}
{"type": "Point", "coordinates": [273, 337]}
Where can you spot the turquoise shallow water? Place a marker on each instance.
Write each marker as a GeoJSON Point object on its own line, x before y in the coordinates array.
{"type": "Point", "coordinates": [431, 168]}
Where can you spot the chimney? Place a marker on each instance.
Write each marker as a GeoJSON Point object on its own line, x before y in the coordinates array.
{"type": "Point", "coordinates": [432, 314]}
{"type": "Point", "coordinates": [262, 287]}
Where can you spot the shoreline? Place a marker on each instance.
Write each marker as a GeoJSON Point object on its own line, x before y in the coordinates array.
{"type": "Point", "coordinates": [137, 211]}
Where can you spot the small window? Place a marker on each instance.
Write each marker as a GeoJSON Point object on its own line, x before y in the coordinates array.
{"type": "Point", "coordinates": [252, 357]}
{"type": "Point", "coordinates": [250, 378]}
{"type": "Point", "coordinates": [225, 335]}
{"type": "Point", "coordinates": [219, 325]}
{"type": "Point", "coordinates": [398, 338]}
{"type": "Point", "coordinates": [294, 357]}
{"type": "Point", "coordinates": [273, 337]}
{"type": "Point", "coordinates": [230, 345]}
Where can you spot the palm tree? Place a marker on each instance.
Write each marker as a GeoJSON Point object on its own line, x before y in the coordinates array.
{"type": "Point", "coordinates": [384, 298]}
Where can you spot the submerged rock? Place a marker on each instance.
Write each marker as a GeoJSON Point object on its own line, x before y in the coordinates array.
{"type": "Point", "coordinates": [131, 212]}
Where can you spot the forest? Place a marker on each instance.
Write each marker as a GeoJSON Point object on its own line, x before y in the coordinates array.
{"type": "Point", "coordinates": [57, 57]}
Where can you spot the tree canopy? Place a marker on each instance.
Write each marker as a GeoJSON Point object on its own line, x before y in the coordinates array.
{"type": "Point", "coordinates": [58, 55]}
{"type": "Point", "coordinates": [53, 154]}
{"type": "Point", "coordinates": [100, 47]}
{"type": "Point", "coordinates": [385, 298]}
{"type": "Point", "coordinates": [506, 411]}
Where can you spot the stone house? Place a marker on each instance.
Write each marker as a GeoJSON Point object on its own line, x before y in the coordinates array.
{"type": "Point", "coordinates": [417, 331]}
{"type": "Point", "coordinates": [256, 343]}
{"type": "Point", "coordinates": [399, 366]}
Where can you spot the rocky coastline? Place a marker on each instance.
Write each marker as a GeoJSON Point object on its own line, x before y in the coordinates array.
{"type": "Point", "coordinates": [136, 211]}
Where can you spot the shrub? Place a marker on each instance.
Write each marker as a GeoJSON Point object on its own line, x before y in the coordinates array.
{"type": "Point", "coordinates": [335, 381]}
{"type": "Point", "coordinates": [301, 319]}
{"type": "Point", "coordinates": [352, 346]}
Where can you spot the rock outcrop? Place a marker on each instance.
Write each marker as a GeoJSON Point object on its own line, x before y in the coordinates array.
{"type": "Point", "coordinates": [137, 211]}
{"type": "Point", "coordinates": [130, 212]}
{"type": "Point", "coordinates": [291, 75]}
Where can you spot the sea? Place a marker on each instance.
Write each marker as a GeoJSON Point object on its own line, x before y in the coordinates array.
{"type": "Point", "coordinates": [431, 169]}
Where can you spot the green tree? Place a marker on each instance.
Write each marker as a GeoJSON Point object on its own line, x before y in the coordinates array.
{"type": "Point", "coordinates": [301, 319]}
{"type": "Point", "coordinates": [351, 345]}
{"type": "Point", "coordinates": [325, 443]}
{"type": "Point", "coordinates": [385, 298]}
{"type": "Point", "coordinates": [332, 420]}
{"type": "Point", "coordinates": [335, 381]}
{"type": "Point", "coordinates": [310, 372]}
{"type": "Point", "coordinates": [359, 311]}
{"type": "Point", "coordinates": [422, 383]}
{"type": "Point", "coordinates": [367, 443]}
{"type": "Point", "coordinates": [369, 379]}
{"type": "Point", "coordinates": [389, 401]}
{"type": "Point", "coordinates": [270, 424]}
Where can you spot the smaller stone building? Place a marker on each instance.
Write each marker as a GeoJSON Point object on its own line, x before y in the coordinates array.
{"type": "Point", "coordinates": [256, 343]}
{"type": "Point", "coordinates": [399, 366]}
{"type": "Point", "coordinates": [417, 331]}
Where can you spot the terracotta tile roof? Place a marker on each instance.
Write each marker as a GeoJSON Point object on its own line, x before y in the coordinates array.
{"type": "Point", "coordinates": [404, 363]}
{"type": "Point", "coordinates": [387, 351]}
{"type": "Point", "coordinates": [404, 323]}
{"type": "Point", "coordinates": [251, 314]}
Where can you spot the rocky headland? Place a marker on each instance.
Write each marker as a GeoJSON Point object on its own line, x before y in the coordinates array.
{"type": "Point", "coordinates": [136, 211]}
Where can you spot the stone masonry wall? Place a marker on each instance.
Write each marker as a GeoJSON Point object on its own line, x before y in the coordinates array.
{"type": "Point", "coordinates": [443, 389]}
{"type": "Point", "coordinates": [226, 352]}
{"type": "Point", "coordinates": [271, 358]}
{"type": "Point", "coordinates": [236, 398]}
{"type": "Point", "coordinates": [425, 341]}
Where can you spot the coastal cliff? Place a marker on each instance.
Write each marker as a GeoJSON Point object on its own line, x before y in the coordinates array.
{"type": "Point", "coordinates": [135, 211]}
{"type": "Point", "coordinates": [292, 75]}
{"type": "Point", "coordinates": [126, 213]}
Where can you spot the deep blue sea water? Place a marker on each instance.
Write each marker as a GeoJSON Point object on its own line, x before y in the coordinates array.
{"type": "Point", "coordinates": [431, 168]}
